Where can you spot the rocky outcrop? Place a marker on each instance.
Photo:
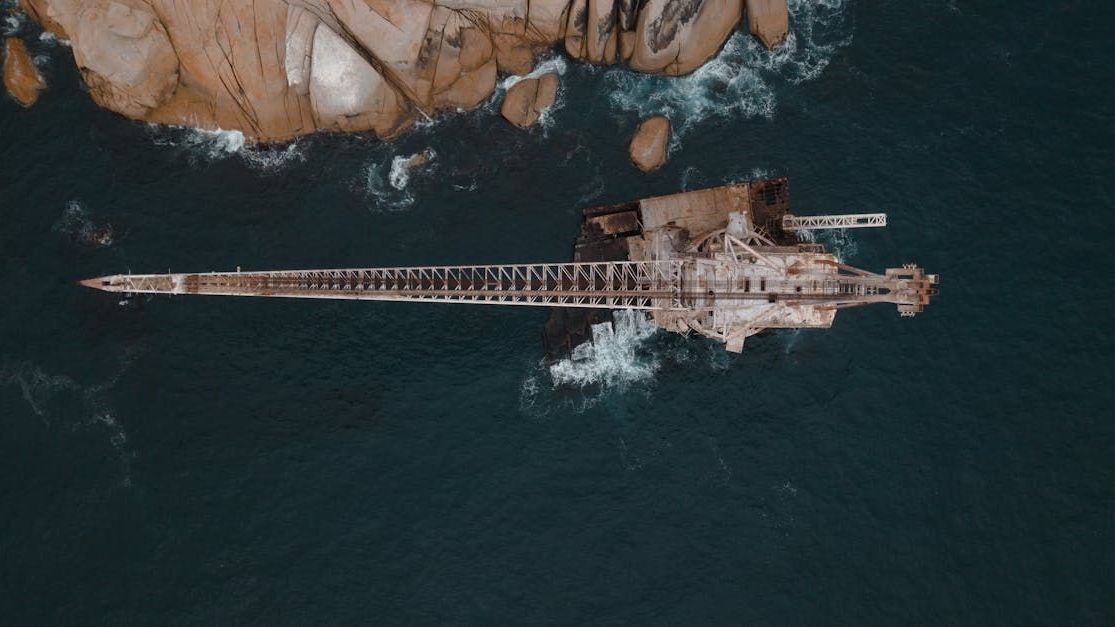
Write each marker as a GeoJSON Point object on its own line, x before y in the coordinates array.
{"type": "Point", "coordinates": [21, 77]}
{"type": "Point", "coordinates": [677, 36]}
{"type": "Point", "coordinates": [768, 20]}
{"type": "Point", "coordinates": [283, 68]}
{"type": "Point", "coordinates": [402, 167]}
{"type": "Point", "coordinates": [125, 56]}
{"type": "Point", "coordinates": [648, 146]}
{"type": "Point", "coordinates": [528, 99]}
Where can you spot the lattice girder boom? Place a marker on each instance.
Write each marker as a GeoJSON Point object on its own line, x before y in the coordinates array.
{"type": "Point", "coordinates": [680, 284]}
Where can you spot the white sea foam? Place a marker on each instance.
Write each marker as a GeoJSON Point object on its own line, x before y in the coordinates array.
{"type": "Point", "coordinates": [840, 242]}
{"type": "Point", "coordinates": [616, 357]}
{"type": "Point", "coordinates": [77, 223]}
{"type": "Point", "coordinates": [51, 39]}
{"type": "Point", "coordinates": [273, 158]}
{"type": "Point", "coordinates": [741, 80]}
{"type": "Point", "coordinates": [556, 65]}
{"type": "Point", "coordinates": [399, 175]}
{"type": "Point", "coordinates": [376, 182]}
{"type": "Point", "coordinates": [591, 189]}
{"type": "Point", "coordinates": [52, 396]}
{"type": "Point", "coordinates": [202, 146]}
{"type": "Point", "coordinates": [12, 24]}
{"type": "Point", "coordinates": [402, 165]}
{"type": "Point", "coordinates": [692, 178]}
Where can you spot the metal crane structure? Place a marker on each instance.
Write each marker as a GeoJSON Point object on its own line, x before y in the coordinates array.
{"type": "Point", "coordinates": [727, 283]}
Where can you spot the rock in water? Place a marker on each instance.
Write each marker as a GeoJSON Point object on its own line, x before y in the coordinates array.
{"type": "Point", "coordinates": [648, 146]}
{"type": "Point", "coordinates": [768, 20]}
{"type": "Point", "coordinates": [401, 167]}
{"type": "Point", "coordinates": [21, 77]}
{"type": "Point", "coordinates": [528, 99]}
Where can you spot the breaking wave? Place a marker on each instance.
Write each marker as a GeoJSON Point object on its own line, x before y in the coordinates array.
{"type": "Point", "coordinates": [616, 357]}
{"type": "Point", "coordinates": [555, 65]}
{"type": "Point", "coordinates": [11, 22]}
{"type": "Point", "coordinates": [201, 146]}
{"type": "Point", "coordinates": [742, 79]}
{"type": "Point", "coordinates": [388, 182]}
{"type": "Point", "coordinates": [50, 38]}
{"type": "Point", "coordinates": [619, 356]}
{"type": "Point", "coordinates": [403, 165]}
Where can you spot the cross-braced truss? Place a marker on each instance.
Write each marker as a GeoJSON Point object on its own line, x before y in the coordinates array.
{"type": "Point", "coordinates": [846, 221]}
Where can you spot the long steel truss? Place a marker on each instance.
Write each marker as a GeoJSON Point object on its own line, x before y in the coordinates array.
{"type": "Point", "coordinates": [846, 221]}
{"type": "Point", "coordinates": [605, 285]}
{"type": "Point", "coordinates": [679, 284]}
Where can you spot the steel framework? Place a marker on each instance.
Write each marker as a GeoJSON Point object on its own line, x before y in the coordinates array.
{"type": "Point", "coordinates": [846, 221]}
{"type": "Point", "coordinates": [604, 285]}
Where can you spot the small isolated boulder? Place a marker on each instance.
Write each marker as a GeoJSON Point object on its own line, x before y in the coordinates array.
{"type": "Point", "coordinates": [648, 146]}
{"type": "Point", "coordinates": [21, 77]}
{"type": "Point", "coordinates": [768, 20]}
{"type": "Point", "coordinates": [401, 167]}
{"type": "Point", "coordinates": [528, 99]}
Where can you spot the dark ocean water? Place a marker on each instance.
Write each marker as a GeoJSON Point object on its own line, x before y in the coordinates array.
{"type": "Point", "coordinates": [225, 460]}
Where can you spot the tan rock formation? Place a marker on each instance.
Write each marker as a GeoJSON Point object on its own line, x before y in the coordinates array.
{"type": "Point", "coordinates": [21, 77]}
{"type": "Point", "coordinates": [283, 68]}
{"type": "Point", "coordinates": [677, 36]}
{"type": "Point", "coordinates": [528, 99]}
{"type": "Point", "coordinates": [125, 56]}
{"type": "Point", "coordinates": [648, 146]}
{"type": "Point", "coordinates": [768, 20]}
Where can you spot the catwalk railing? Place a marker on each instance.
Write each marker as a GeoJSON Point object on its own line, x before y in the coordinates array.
{"type": "Point", "coordinates": [847, 221]}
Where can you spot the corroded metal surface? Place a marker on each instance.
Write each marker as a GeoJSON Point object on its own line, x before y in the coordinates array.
{"type": "Point", "coordinates": [697, 262]}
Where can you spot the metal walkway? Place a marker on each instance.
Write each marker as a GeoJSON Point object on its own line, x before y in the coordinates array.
{"type": "Point", "coordinates": [605, 285]}
{"type": "Point", "coordinates": [846, 221]}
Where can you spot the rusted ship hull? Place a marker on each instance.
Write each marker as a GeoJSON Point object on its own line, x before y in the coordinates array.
{"type": "Point", "coordinates": [620, 233]}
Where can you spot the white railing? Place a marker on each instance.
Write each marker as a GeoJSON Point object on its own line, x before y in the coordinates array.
{"type": "Point", "coordinates": [846, 221]}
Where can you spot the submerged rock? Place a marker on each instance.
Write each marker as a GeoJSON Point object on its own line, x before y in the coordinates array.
{"type": "Point", "coordinates": [768, 20]}
{"type": "Point", "coordinates": [648, 146]}
{"type": "Point", "coordinates": [402, 167]}
{"type": "Point", "coordinates": [278, 69]}
{"type": "Point", "coordinates": [21, 77]}
{"type": "Point", "coordinates": [528, 99]}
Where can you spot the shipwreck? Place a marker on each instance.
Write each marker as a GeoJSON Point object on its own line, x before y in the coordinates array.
{"type": "Point", "coordinates": [725, 262]}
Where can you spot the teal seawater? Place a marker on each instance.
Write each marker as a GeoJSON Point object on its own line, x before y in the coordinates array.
{"type": "Point", "coordinates": [196, 460]}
